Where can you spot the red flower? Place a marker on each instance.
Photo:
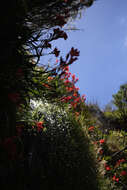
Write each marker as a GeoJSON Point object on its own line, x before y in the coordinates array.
{"type": "Point", "coordinates": [66, 99]}
{"type": "Point", "coordinates": [77, 99]}
{"type": "Point", "coordinates": [83, 97]}
{"type": "Point", "coordinates": [69, 89]}
{"type": "Point", "coordinates": [50, 78]}
{"type": "Point", "coordinates": [39, 126]}
{"type": "Point", "coordinates": [120, 161]}
{"type": "Point", "coordinates": [115, 178]}
{"type": "Point", "coordinates": [107, 168]}
{"type": "Point", "coordinates": [75, 94]}
{"type": "Point", "coordinates": [57, 60]}
{"type": "Point", "coordinates": [74, 52]}
{"type": "Point", "coordinates": [66, 75]}
{"type": "Point", "coordinates": [91, 128]}
{"type": "Point", "coordinates": [102, 141]}
{"type": "Point", "coordinates": [123, 173]}
{"type": "Point", "coordinates": [66, 68]}
{"type": "Point", "coordinates": [59, 34]}
{"type": "Point", "coordinates": [73, 77]}
{"type": "Point", "coordinates": [77, 79]}
{"type": "Point", "coordinates": [46, 85]}
{"type": "Point", "coordinates": [74, 105]}
{"type": "Point", "coordinates": [56, 52]}
{"type": "Point", "coordinates": [76, 89]}
{"type": "Point", "coordinates": [66, 82]}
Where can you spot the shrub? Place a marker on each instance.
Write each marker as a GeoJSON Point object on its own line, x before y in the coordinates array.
{"type": "Point", "coordinates": [62, 157]}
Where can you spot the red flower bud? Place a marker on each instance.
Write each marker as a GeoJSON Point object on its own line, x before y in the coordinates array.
{"type": "Point", "coordinates": [56, 52]}
{"type": "Point", "coordinates": [102, 141]}
{"type": "Point", "coordinates": [39, 126]}
{"type": "Point", "coordinates": [107, 168]}
{"type": "Point", "coordinates": [91, 128]}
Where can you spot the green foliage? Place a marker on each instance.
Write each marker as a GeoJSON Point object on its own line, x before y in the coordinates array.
{"type": "Point", "coordinates": [117, 117]}
{"type": "Point", "coordinates": [69, 162]}
{"type": "Point", "coordinates": [61, 157]}
{"type": "Point", "coordinates": [111, 153]}
{"type": "Point", "coordinates": [120, 99]}
{"type": "Point", "coordinates": [46, 14]}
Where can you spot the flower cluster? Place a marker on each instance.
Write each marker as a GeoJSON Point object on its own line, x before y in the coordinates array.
{"type": "Point", "coordinates": [40, 126]}
{"type": "Point", "coordinates": [59, 34]}
{"type": "Point", "coordinates": [72, 95]}
{"type": "Point", "coordinates": [114, 169]}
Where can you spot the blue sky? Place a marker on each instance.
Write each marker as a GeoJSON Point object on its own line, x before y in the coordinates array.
{"type": "Point", "coordinates": [102, 41]}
